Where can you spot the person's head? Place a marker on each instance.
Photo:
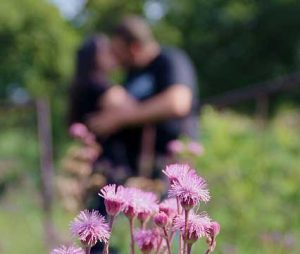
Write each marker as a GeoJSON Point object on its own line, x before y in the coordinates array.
{"type": "Point", "coordinates": [94, 56]}
{"type": "Point", "coordinates": [133, 43]}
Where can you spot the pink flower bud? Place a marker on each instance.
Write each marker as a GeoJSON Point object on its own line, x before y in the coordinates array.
{"type": "Point", "coordinates": [143, 216]}
{"type": "Point", "coordinates": [78, 130]}
{"type": "Point", "coordinates": [215, 226]}
{"type": "Point", "coordinates": [113, 198]}
{"type": "Point", "coordinates": [161, 219]}
{"type": "Point", "coordinates": [195, 148]}
{"type": "Point", "coordinates": [175, 146]}
{"type": "Point", "coordinates": [147, 240]}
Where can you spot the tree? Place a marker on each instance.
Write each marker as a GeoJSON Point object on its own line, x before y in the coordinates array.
{"type": "Point", "coordinates": [235, 43]}
{"type": "Point", "coordinates": [36, 47]}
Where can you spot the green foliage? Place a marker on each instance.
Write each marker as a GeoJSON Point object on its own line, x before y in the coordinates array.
{"type": "Point", "coordinates": [102, 15]}
{"type": "Point", "coordinates": [236, 43]}
{"type": "Point", "coordinates": [36, 46]}
{"type": "Point", "coordinates": [252, 174]}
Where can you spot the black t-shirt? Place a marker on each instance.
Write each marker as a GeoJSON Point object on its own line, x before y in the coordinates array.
{"type": "Point", "coordinates": [172, 66]}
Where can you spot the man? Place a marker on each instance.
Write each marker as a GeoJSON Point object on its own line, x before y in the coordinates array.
{"type": "Point", "coordinates": [162, 80]}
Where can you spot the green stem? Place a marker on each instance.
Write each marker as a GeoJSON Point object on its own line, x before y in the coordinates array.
{"type": "Point", "coordinates": [180, 244]}
{"type": "Point", "coordinates": [110, 224]}
{"type": "Point", "coordinates": [186, 217]}
{"type": "Point", "coordinates": [167, 240]}
{"type": "Point", "coordinates": [131, 222]}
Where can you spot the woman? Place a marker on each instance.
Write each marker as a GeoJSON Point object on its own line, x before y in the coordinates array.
{"type": "Point", "coordinates": [92, 91]}
{"type": "Point", "coordinates": [91, 88]}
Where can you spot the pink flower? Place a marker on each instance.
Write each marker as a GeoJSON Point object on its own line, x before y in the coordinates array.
{"type": "Point", "coordinates": [190, 189]}
{"type": "Point", "coordinates": [67, 250]}
{"type": "Point", "coordinates": [161, 219]}
{"type": "Point", "coordinates": [177, 171]}
{"type": "Point", "coordinates": [78, 130]}
{"type": "Point", "coordinates": [175, 146]}
{"type": "Point", "coordinates": [90, 227]}
{"type": "Point", "coordinates": [147, 240]}
{"type": "Point", "coordinates": [139, 203]}
{"type": "Point", "coordinates": [146, 205]}
{"type": "Point", "coordinates": [169, 207]}
{"type": "Point", "coordinates": [197, 226]}
{"type": "Point", "coordinates": [113, 198]}
{"type": "Point", "coordinates": [89, 139]}
{"type": "Point", "coordinates": [214, 228]}
{"type": "Point", "coordinates": [212, 232]}
{"type": "Point", "coordinates": [195, 148]}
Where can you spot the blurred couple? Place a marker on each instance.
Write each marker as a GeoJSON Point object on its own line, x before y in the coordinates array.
{"type": "Point", "coordinates": [156, 103]}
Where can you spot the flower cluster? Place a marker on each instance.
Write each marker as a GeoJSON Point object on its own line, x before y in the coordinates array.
{"type": "Point", "coordinates": [159, 222]}
{"type": "Point", "coordinates": [177, 147]}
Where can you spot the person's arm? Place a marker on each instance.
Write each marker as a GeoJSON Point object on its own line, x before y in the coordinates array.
{"type": "Point", "coordinates": [174, 102]}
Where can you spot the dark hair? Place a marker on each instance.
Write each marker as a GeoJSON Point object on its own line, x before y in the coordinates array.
{"type": "Point", "coordinates": [133, 29]}
{"type": "Point", "coordinates": [84, 77]}
{"type": "Point", "coordinates": [86, 58]}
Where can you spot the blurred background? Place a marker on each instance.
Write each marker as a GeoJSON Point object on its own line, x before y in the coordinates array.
{"type": "Point", "coordinates": [247, 55]}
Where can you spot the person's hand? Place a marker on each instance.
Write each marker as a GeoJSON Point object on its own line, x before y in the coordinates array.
{"type": "Point", "coordinates": [109, 121]}
{"type": "Point", "coordinates": [115, 97]}
{"type": "Point", "coordinates": [103, 123]}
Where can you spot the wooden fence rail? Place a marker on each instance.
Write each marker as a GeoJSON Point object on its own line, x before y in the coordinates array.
{"type": "Point", "coordinates": [254, 92]}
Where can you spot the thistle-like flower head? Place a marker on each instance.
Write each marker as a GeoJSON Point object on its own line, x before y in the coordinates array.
{"type": "Point", "coordinates": [139, 203]}
{"type": "Point", "coordinates": [90, 227]}
{"type": "Point", "coordinates": [113, 198]}
{"type": "Point", "coordinates": [197, 226]}
{"type": "Point", "coordinates": [169, 207]}
{"type": "Point", "coordinates": [212, 232]}
{"type": "Point", "coordinates": [67, 250]}
{"type": "Point", "coordinates": [176, 171]}
{"type": "Point", "coordinates": [147, 240]}
{"type": "Point", "coordinates": [190, 189]}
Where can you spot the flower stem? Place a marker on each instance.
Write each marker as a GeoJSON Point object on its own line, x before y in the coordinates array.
{"type": "Point", "coordinates": [111, 222]}
{"type": "Point", "coordinates": [180, 244]}
{"type": "Point", "coordinates": [88, 250]}
{"type": "Point", "coordinates": [131, 222]}
{"type": "Point", "coordinates": [178, 205]}
{"type": "Point", "coordinates": [186, 217]}
{"type": "Point", "coordinates": [158, 246]}
{"type": "Point", "coordinates": [180, 236]}
{"type": "Point", "coordinates": [106, 245]}
{"type": "Point", "coordinates": [189, 249]}
{"type": "Point", "coordinates": [143, 224]}
{"type": "Point", "coordinates": [167, 240]}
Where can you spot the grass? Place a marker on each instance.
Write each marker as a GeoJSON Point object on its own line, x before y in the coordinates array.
{"type": "Point", "coordinates": [253, 174]}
